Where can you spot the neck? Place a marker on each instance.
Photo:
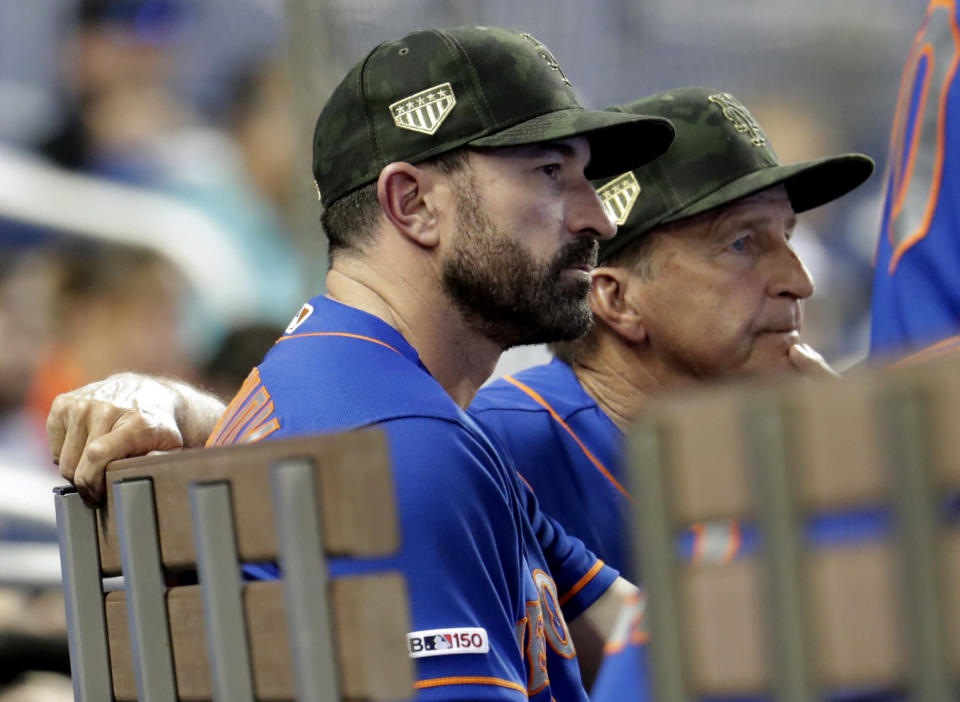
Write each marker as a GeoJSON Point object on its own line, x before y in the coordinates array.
{"type": "Point", "coordinates": [457, 357]}
{"type": "Point", "coordinates": [621, 377]}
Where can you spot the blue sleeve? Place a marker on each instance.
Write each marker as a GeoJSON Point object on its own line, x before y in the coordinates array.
{"type": "Point", "coordinates": [580, 576]}
{"type": "Point", "coordinates": [461, 556]}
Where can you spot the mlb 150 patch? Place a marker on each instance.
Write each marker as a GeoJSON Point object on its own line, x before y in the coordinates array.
{"type": "Point", "coordinates": [444, 642]}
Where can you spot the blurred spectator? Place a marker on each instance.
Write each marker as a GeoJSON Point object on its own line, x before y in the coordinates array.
{"type": "Point", "coordinates": [242, 349]}
{"type": "Point", "coordinates": [70, 314]}
{"type": "Point", "coordinates": [116, 308]}
{"type": "Point", "coordinates": [127, 122]}
{"type": "Point", "coordinates": [241, 177]}
{"type": "Point", "coordinates": [117, 64]}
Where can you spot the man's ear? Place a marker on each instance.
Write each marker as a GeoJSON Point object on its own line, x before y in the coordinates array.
{"type": "Point", "coordinates": [610, 301]}
{"type": "Point", "coordinates": [404, 192]}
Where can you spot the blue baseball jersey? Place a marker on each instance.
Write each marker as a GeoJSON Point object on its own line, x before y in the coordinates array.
{"type": "Point", "coordinates": [916, 296]}
{"type": "Point", "coordinates": [570, 453]}
{"type": "Point", "coordinates": [567, 449]}
{"type": "Point", "coordinates": [492, 581]}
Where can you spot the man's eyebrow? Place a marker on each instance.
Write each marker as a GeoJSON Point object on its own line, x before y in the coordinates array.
{"type": "Point", "coordinates": [746, 220]}
{"type": "Point", "coordinates": [563, 148]}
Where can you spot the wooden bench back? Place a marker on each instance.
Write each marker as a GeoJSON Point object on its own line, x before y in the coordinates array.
{"type": "Point", "coordinates": [294, 502]}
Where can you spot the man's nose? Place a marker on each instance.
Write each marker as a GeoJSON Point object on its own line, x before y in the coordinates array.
{"type": "Point", "coordinates": [589, 217]}
{"type": "Point", "coordinates": [791, 279]}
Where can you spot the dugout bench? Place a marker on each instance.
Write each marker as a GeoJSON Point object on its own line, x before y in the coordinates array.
{"type": "Point", "coordinates": [793, 619]}
{"type": "Point", "coordinates": [305, 637]}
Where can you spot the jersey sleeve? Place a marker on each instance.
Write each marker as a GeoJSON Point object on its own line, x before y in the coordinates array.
{"type": "Point", "coordinates": [580, 576]}
{"type": "Point", "coordinates": [462, 559]}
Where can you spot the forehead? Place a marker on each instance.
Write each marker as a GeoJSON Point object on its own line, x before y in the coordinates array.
{"type": "Point", "coordinates": [769, 203]}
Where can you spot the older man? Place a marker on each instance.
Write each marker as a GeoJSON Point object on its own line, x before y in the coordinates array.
{"type": "Point", "coordinates": [700, 283]}
{"type": "Point", "coordinates": [453, 167]}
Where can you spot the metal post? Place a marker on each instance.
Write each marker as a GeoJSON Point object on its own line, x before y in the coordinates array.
{"type": "Point", "coordinates": [83, 597]}
{"type": "Point", "coordinates": [904, 427]}
{"type": "Point", "coordinates": [222, 591]}
{"type": "Point", "coordinates": [146, 591]}
{"type": "Point", "coordinates": [767, 458]}
{"type": "Point", "coordinates": [653, 540]}
{"type": "Point", "coordinates": [305, 579]}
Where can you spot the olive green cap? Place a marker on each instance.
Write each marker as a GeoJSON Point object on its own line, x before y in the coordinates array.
{"type": "Point", "coordinates": [436, 90]}
{"type": "Point", "coordinates": [720, 155]}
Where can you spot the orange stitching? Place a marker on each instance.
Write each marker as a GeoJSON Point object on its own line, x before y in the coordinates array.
{"type": "Point", "coordinates": [529, 486]}
{"type": "Point", "coordinates": [345, 334]}
{"type": "Point", "coordinates": [593, 459]}
{"type": "Point", "coordinates": [468, 680]}
{"type": "Point", "coordinates": [582, 582]}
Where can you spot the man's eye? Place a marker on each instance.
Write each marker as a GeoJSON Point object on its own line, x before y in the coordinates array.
{"type": "Point", "coordinates": [741, 244]}
{"type": "Point", "coordinates": [551, 169]}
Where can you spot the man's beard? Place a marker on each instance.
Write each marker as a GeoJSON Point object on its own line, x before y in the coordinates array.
{"type": "Point", "coordinates": [502, 292]}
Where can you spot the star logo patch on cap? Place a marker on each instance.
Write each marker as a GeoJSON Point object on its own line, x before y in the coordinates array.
{"type": "Point", "coordinates": [424, 111]}
{"type": "Point", "coordinates": [619, 195]}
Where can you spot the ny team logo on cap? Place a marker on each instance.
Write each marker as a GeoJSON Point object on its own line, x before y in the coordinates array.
{"type": "Point", "coordinates": [548, 57]}
{"type": "Point", "coordinates": [619, 195]}
{"type": "Point", "coordinates": [739, 116]}
{"type": "Point", "coordinates": [424, 111]}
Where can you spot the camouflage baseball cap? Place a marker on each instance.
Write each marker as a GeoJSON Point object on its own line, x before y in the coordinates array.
{"type": "Point", "coordinates": [720, 155]}
{"type": "Point", "coordinates": [435, 90]}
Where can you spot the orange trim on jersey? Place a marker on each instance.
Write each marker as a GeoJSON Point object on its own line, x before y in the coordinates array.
{"type": "Point", "coordinates": [252, 381]}
{"type": "Point", "coordinates": [261, 432]}
{"type": "Point", "coordinates": [926, 51]}
{"type": "Point", "coordinates": [553, 413]}
{"type": "Point", "coordinates": [734, 541]}
{"type": "Point", "coordinates": [932, 199]}
{"type": "Point", "coordinates": [582, 582]}
{"type": "Point", "coordinates": [698, 542]}
{"type": "Point", "coordinates": [256, 423]}
{"type": "Point", "coordinates": [469, 680]}
{"type": "Point", "coordinates": [940, 348]}
{"type": "Point", "coordinates": [262, 415]}
{"type": "Point", "coordinates": [256, 402]}
{"type": "Point", "coordinates": [345, 334]}
{"type": "Point", "coordinates": [524, 480]}
{"type": "Point", "coordinates": [638, 637]}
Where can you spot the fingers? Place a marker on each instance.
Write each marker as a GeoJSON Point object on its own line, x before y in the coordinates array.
{"type": "Point", "coordinates": [132, 434]}
{"type": "Point", "coordinates": [57, 427]}
{"type": "Point", "coordinates": [74, 422]}
{"type": "Point", "coordinates": [810, 363]}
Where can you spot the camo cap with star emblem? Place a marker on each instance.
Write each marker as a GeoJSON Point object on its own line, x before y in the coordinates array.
{"type": "Point", "coordinates": [720, 154]}
{"type": "Point", "coordinates": [436, 90]}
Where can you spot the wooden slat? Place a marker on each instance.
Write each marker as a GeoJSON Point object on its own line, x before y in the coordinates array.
{"type": "Point", "coordinates": [724, 628]}
{"type": "Point", "coordinates": [832, 424]}
{"type": "Point", "coordinates": [855, 622]}
{"type": "Point", "coordinates": [371, 620]}
{"type": "Point", "coordinates": [355, 491]}
{"type": "Point", "coordinates": [703, 452]}
{"type": "Point", "coordinates": [938, 382]}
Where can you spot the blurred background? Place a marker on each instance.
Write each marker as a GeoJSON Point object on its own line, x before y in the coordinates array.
{"type": "Point", "coordinates": [157, 211]}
